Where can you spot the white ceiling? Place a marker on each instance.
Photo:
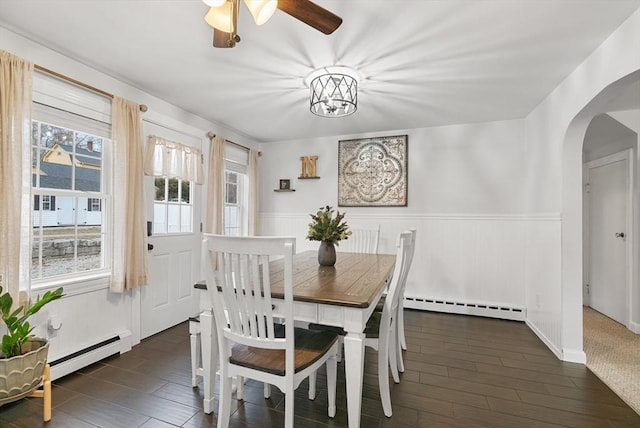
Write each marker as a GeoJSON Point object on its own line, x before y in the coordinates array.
{"type": "Point", "coordinates": [422, 62]}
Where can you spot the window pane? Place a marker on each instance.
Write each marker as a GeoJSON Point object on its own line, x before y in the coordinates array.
{"type": "Point", "coordinates": [186, 191]}
{"type": "Point", "coordinates": [89, 248]}
{"type": "Point", "coordinates": [87, 147]}
{"type": "Point", "coordinates": [173, 190]}
{"type": "Point", "coordinates": [159, 218]}
{"type": "Point", "coordinates": [55, 169]}
{"type": "Point", "coordinates": [231, 193]}
{"type": "Point", "coordinates": [173, 220]}
{"type": "Point", "coordinates": [58, 252]}
{"type": "Point", "coordinates": [185, 218]}
{"type": "Point", "coordinates": [53, 136]}
{"type": "Point", "coordinates": [160, 189]}
{"type": "Point", "coordinates": [87, 163]}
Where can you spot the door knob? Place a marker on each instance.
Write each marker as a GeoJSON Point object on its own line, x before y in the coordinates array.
{"type": "Point", "coordinates": [620, 235]}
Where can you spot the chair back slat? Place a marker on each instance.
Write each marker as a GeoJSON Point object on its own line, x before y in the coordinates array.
{"type": "Point", "coordinates": [396, 286]}
{"type": "Point", "coordinates": [364, 239]}
{"type": "Point", "coordinates": [241, 296]}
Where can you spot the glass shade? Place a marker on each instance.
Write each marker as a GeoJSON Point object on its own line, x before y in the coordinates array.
{"type": "Point", "coordinates": [221, 17]}
{"type": "Point", "coordinates": [261, 10]}
{"type": "Point", "coordinates": [334, 95]}
{"type": "Point", "coordinates": [214, 3]}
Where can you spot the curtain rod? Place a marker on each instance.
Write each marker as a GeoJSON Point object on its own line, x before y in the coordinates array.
{"type": "Point", "coordinates": [143, 108]}
{"type": "Point", "coordinates": [212, 135]}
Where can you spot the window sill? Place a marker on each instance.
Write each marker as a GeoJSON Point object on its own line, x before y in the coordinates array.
{"type": "Point", "coordinates": [74, 285]}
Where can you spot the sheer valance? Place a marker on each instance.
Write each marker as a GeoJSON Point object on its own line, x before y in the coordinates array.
{"type": "Point", "coordinates": [172, 159]}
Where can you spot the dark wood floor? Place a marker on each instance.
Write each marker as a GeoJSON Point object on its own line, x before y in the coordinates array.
{"type": "Point", "coordinates": [460, 371]}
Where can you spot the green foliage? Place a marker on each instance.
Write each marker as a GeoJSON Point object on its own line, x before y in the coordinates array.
{"type": "Point", "coordinates": [326, 227]}
{"type": "Point", "coordinates": [18, 328]}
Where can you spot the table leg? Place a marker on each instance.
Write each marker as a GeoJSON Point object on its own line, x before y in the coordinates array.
{"type": "Point", "coordinates": [354, 374]}
{"type": "Point", "coordinates": [209, 343]}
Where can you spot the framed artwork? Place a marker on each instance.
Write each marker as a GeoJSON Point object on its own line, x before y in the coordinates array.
{"type": "Point", "coordinates": [285, 184]}
{"type": "Point", "coordinates": [372, 172]}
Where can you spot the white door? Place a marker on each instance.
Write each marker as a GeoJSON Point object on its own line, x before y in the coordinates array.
{"type": "Point", "coordinates": [174, 262]}
{"type": "Point", "coordinates": [169, 299]}
{"type": "Point", "coordinates": [608, 180]}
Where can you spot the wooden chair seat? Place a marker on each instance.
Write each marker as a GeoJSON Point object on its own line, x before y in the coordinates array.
{"type": "Point", "coordinates": [310, 347]}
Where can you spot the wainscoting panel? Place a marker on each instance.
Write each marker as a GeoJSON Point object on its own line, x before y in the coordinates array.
{"type": "Point", "coordinates": [462, 259]}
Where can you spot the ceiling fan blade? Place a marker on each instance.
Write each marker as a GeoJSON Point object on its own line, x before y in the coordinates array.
{"type": "Point", "coordinates": [311, 14]}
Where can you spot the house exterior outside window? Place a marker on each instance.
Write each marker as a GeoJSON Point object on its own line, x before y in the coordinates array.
{"type": "Point", "coordinates": [172, 207]}
{"type": "Point", "coordinates": [236, 198]}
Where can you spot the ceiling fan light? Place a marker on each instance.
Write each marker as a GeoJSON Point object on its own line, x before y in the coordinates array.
{"type": "Point", "coordinates": [333, 95]}
{"type": "Point", "coordinates": [221, 17]}
{"type": "Point", "coordinates": [261, 10]}
{"type": "Point", "coordinates": [214, 3]}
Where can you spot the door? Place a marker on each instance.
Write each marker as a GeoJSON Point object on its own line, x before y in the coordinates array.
{"type": "Point", "coordinates": [608, 218]}
{"type": "Point", "coordinates": [174, 262]}
{"type": "Point", "coordinates": [170, 298]}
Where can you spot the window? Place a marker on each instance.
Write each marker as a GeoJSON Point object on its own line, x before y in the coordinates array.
{"type": "Point", "coordinates": [67, 184]}
{"type": "Point", "coordinates": [94, 204]}
{"type": "Point", "coordinates": [71, 176]}
{"type": "Point", "coordinates": [172, 208]}
{"type": "Point", "coordinates": [236, 198]}
{"type": "Point", "coordinates": [232, 207]}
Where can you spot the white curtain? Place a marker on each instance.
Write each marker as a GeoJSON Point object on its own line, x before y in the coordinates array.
{"type": "Point", "coordinates": [215, 187]}
{"type": "Point", "coordinates": [215, 190]}
{"type": "Point", "coordinates": [254, 190]}
{"type": "Point", "coordinates": [16, 79]}
{"type": "Point", "coordinates": [130, 258]}
{"type": "Point", "coordinates": [172, 159]}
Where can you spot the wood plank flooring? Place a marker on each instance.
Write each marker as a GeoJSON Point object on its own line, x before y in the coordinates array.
{"type": "Point", "coordinates": [461, 371]}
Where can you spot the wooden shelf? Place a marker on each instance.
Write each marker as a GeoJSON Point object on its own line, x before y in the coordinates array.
{"type": "Point", "coordinates": [284, 190]}
{"type": "Point", "coordinates": [307, 178]}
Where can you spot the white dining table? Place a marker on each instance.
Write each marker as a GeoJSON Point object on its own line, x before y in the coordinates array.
{"type": "Point", "coordinates": [343, 295]}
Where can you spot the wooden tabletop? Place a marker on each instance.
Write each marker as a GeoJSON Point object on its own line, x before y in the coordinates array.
{"type": "Point", "coordinates": [354, 281]}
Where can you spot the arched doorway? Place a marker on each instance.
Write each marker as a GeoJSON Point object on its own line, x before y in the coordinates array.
{"type": "Point", "coordinates": [572, 212]}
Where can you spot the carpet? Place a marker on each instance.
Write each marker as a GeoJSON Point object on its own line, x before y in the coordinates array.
{"type": "Point", "coordinates": [613, 354]}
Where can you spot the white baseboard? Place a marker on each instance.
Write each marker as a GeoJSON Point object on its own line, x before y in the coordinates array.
{"type": "Point", "coordinates": [634, 327]}
{"type": "Point", "coordinates": [574, 356]}
{"type": "Point", "coordinates": [484, 309]}
{"type": "Point", "coordinates": [118, 344]}
{"type": "Point", "coordinates": [553, 348]}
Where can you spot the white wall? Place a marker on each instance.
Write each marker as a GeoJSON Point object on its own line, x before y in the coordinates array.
{"type": "Point", "coordinates": [465, 197]}
{"type": "Point", "coordinates": [89, 313]}
{"type": "Point", "coordinates": [555, 132]}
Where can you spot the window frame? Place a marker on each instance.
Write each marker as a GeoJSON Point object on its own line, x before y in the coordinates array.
{"type": "Point", "coordinates": [166, 203]}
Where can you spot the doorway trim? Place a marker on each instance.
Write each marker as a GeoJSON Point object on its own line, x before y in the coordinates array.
{"type": "Point", "coordinates": [572, 226]}
{"type": "Point", "coordinates": [626, 156]}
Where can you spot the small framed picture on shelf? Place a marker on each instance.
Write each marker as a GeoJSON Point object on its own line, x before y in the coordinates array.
{"type": "Point", "coordinates": [285, 184]}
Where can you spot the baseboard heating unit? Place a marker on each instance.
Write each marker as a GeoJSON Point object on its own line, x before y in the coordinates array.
{"type": "Point", "coordinates": [121, 342]}
{"type": "Point", "coordinates": [467, 308]}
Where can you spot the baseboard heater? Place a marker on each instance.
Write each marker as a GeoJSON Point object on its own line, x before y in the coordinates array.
{"type": "Point", "coordinates": [117, 344]}
{"type": "Point", "coordinates": [466, 308]}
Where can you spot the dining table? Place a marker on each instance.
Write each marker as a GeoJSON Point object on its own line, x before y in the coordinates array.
{"type": "Point", "coordinates": [343, 295]}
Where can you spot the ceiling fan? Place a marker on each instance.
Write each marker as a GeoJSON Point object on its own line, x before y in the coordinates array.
{"type": "Point", "coordinates": [223, 17]}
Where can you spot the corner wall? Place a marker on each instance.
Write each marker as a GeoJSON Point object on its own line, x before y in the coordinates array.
{"type": "Point", "coordinates": [554, 136]}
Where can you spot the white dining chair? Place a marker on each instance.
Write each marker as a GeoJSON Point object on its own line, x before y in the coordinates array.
{"type": "Point", "coordinates": [250, 343]}
{"type": "Point", "coordinates": [381, 331]}
{"type": "Point", "coordinates": [401, 342]}
{"type": "Point", "coordinates": [364, 239]}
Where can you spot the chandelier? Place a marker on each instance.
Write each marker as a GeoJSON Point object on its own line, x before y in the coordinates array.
{"type": "Point", "coordinates": [333, 91]}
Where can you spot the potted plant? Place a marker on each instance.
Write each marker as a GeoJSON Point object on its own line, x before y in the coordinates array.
{"type": "Point", "coordinates": [329, 230]}
{"type": "Point", "coordinates": [22, 355]}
